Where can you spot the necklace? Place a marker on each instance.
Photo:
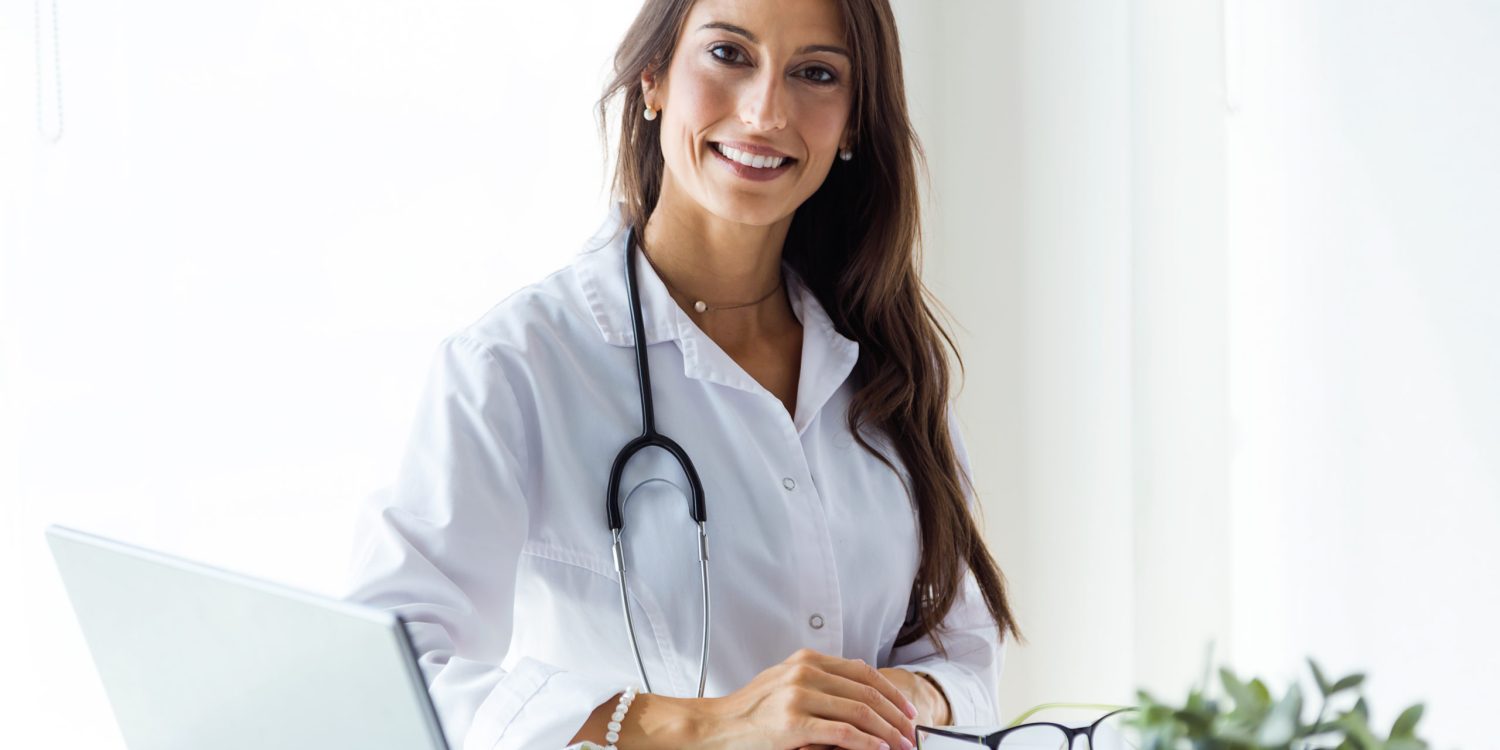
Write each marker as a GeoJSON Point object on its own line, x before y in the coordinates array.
{"type": "Point", "coordinates": [699, 304]}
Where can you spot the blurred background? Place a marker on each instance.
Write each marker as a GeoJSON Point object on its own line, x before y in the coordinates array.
{"type": "Point", "coordinates": [1223, 273]}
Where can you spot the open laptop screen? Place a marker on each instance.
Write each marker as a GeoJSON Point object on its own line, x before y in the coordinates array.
{"type": "Point", "coordinates": [197, 657]}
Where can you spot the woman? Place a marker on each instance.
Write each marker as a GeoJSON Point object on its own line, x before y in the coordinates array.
{"type": "Point", "coordinates": [791, 353]}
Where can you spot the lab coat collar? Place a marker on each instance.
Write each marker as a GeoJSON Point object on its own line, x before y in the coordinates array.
{"type": "Point", "coordinates": [827, 356]}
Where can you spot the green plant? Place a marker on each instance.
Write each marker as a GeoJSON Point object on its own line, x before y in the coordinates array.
{"type": "Point", "coordinates": [1248, 718]}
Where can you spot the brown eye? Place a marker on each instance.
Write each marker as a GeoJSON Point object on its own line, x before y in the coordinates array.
{"type": "Point", "coordinates": [734, 51]}
{"type": "Point", "coordinates": [831, 78]}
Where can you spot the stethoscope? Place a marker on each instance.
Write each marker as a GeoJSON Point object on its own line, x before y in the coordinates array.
{"type": "Point", "coordinates": [650, 438]}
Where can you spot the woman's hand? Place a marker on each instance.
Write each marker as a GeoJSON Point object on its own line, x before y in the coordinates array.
{"type": "Point", "coordinates": [932, 705]}
{"type": "Point", "coordinates": [812, 700]}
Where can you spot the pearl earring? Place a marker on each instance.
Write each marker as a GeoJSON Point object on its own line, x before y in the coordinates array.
{"type": "Point", "coordinates": [650, 113]}
{"type": "Point", "coordinates": [846, 154]}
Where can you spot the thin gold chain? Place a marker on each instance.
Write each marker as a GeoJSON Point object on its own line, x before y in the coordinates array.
{"type": "Point", "coordinates": [699, 304]}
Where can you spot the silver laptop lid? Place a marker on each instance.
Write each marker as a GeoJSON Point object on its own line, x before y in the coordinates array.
{"type": "Point", "coordinates": [196, 657]}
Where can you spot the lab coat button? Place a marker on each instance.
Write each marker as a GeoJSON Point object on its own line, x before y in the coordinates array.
{"type": "Point", "coordinates": [789, 483]}
{"type": "Point", "coordinates": [816, 621]}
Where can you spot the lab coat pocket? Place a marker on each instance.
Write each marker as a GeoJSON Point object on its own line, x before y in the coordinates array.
{"type": "Point", "coordinates": [568, 614]}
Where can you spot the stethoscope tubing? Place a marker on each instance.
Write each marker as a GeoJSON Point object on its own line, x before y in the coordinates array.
{"type": "Point", "coordinates": [650, 438]}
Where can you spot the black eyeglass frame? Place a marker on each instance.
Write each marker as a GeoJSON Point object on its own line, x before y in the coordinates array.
{"type": "Point", "coordinates": [993, 740]}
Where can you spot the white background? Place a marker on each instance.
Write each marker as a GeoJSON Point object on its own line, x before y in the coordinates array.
{"type": "Point", "coordinates": [1222, 273]}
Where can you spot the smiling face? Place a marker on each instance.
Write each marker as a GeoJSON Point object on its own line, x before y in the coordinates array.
{"type": "Point", "coordinates": [753, 81]}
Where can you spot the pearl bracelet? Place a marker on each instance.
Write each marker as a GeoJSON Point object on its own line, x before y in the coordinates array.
{"type": "Point", "coordinates": [613, 735]}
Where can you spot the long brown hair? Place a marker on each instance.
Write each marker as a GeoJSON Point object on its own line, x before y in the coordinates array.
{"type": "Point", "coordinates": [855, 242]}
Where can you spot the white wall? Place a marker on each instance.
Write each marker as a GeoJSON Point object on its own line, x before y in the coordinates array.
{"type": "Point", "coordinates": [1365, 336]}
{"type": "Point", "coordinates": [1030, 251]}
{"type": "Point", "coordinates": [1079, 227]}
{"type": "Point", "coordinates": [1225, 278]}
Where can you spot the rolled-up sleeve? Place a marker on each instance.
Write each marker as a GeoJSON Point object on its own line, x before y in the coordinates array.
{"type": "Point", "coordinates": [970, 675]}
{"type": "Point", "coordinates": [441, 547]}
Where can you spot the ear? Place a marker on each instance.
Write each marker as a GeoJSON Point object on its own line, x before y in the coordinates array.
{"type": "Point", "coordinates": [651, 88]}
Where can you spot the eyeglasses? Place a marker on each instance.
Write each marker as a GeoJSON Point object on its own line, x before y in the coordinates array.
{"type": "Point", "coordinates": [1112, 731]}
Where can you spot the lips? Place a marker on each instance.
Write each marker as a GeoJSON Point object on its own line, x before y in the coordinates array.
{"type": "Point", "coordinates": [754, 174]}
{"type": "Point", "coordinates": [761, 155]}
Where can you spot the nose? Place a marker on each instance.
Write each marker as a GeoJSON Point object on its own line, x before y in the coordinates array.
{"type": "Point", "coordinates": [762, 107]}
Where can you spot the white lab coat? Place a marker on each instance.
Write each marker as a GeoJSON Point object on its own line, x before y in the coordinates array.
{"type": "Point", "coordinates": [492, 542]}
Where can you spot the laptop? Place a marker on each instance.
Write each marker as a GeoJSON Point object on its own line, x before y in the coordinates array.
{"type": "Point", "coordinates": [196, 657]}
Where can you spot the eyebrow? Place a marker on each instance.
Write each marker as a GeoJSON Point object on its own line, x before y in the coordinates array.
{"type": "Point", "coordinates": [731, 28]}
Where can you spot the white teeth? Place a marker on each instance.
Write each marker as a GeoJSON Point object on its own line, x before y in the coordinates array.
{"type": "Point", "coordinates": [750, 160]}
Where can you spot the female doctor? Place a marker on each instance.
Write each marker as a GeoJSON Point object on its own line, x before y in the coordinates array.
{"type": "Point", "coordinates": [797, 564]}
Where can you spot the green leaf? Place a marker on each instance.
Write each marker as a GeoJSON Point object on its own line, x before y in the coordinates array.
{"type": "Point", "coordinates": [1197, 703]}
{"type": "Point", "coordinates": [1280, 725]}
{"type": "Point", "coordinates": [1322, 681]}
{"type": "Point", "coordinates": [1262, 693]}
{"type": "Point", "coordinates": [1157, 715]}
{"type": "Point", "coordinates": [1195, 722]}
{"type": "Point", "coordinates": [1238, 691]}
{"type": "Point", "coordinates": [1406, 723]}
{"type": "Point", "coordinates": [1405, 743]}
{"type": "Point", "coordinates": [1361, 709]}
{"type": "Point", "coordinates": [1356, 729]}
{"type": "Point", "coordinates": [1233, 737]}
{"type": "Point", "coordinates": [1352, 681]}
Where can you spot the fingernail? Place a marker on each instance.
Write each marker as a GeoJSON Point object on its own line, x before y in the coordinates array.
{"type": "Point", "coordinates": [906, 744]}
{"type": "Point", "coordinates": [911, 711]}
{"type": "Point", "coordinates": [884, 746]}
